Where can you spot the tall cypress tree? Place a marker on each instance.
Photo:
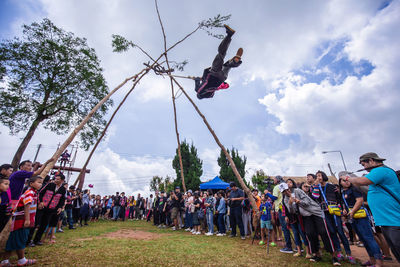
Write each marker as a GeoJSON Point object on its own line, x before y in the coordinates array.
{"type": "Point", "coordinates": [226, 173]}
{"type": "Point", "coordinates": [192, 167]}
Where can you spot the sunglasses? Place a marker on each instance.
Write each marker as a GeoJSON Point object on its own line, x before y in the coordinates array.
{"type": "Point", "coordinates": [364, 161]}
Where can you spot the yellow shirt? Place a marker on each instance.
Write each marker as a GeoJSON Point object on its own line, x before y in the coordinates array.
{"type": "Point", "coordinates": [277, 193]}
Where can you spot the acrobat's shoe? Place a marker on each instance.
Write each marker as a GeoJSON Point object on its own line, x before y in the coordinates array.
{"type": "Point", "coordinates": [229, 30]}
{"type": "Point", "coordinates": [236, 60]}
{"type": "Point", "coordinates": [238, 56]}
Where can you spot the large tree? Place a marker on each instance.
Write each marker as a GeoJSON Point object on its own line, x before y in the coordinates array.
{"type": "Point", "coordinates": [226, 173]}
{"type": "Point", "coordinates": [192, 167]}
{"type": "Point", "coordinates": [52, 78]}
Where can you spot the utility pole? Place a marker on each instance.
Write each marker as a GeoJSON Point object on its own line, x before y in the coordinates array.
{"type": "Point", "coordinates": [37, 152]}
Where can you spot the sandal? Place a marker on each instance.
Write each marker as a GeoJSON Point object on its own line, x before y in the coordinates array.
{"type": "Point", "coordinates": [28, 262]}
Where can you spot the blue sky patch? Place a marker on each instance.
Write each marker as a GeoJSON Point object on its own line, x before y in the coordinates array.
{"type": "Point", "coordinates": [334, 65]}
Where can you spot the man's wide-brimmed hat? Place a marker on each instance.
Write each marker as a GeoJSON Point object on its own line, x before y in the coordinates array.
{"type": "Point", "coordinates": [370, 155]}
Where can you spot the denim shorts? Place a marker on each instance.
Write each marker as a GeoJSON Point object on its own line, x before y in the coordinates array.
{"type": "Point", "coordinates": [266, 224]}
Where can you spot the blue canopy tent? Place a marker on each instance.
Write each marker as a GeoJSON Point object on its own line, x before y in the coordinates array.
{"type": "Point", "coordinates": [215, 183]}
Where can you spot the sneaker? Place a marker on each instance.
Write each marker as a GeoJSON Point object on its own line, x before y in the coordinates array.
{"type": "Point", "coordinates": [60, 231]}
{"type": "Point", "coordinates": [286, 250]}
{"type": "Point", "coordinates": [232, 235]}
{"type": "Point", "coordinates": [261, 243]}
{"type": "Point", "coordinates": [243, 237]}
{"type": "Point", "coordinates": [173, 228]}
{"type": "Point", "coordinates": [159, 226]}
{"type": "Point", "coordinates": [198, 233]}
{"type": "Point", "coordinates": [208, 234]}
{"type": "Point", "coordinates": [194, 232]}
{"type": "Point", "coordinates": [297, 254]}
{"type": "Point", "coordinates": [272, 244]}
{"type": "Point", "coordinates": [229, 30]}
{"type": "Point", "coordinates": [335, 262]}
{"type": "Point", "coordinates": [351, 260]}
{"type": "Point", "coordinates": [39, 243]}
{"type": "Point", "coordinates": [315, 259]}
{"type": "Point", "coordinates": [72, 228]}
{"type": "Point", "coordinates": [31, 244]}
{"type": "Point", "coordinates": [220, 234]}
{"type": "Point", "coordinates": [187, 229]}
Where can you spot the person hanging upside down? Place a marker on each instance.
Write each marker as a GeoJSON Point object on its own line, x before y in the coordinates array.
{"type": "Point", "coordinates": [214, 77]}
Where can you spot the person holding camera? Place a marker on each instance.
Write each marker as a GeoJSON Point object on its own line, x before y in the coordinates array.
{"type": "Point", "coordinates": [383, 197]}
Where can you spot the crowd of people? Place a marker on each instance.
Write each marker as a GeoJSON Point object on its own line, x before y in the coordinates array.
{"type": "Point", "coordinates": [298, 214]}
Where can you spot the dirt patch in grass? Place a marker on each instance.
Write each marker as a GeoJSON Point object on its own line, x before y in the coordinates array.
{"type": "Point", "coordinates": [125, 233]}
{"type": "Point", "coordinates": [132, 234]}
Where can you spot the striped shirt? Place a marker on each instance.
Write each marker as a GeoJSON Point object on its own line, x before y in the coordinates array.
{"type": "Point", "coordinates": [29, 197]}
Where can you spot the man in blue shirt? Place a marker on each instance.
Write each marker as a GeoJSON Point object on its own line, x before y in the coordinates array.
{"type": "Point", "coordinates": [383, 197]}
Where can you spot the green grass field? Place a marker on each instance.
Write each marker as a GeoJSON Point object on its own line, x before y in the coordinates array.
{"type": "Point", "coordinates": [142, 244]}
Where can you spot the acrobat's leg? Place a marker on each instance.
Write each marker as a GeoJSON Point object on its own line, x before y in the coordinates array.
{"type": "Point", "coordinates": [222, 48]}
{"type": "Point", "coordinates": [232, 63]}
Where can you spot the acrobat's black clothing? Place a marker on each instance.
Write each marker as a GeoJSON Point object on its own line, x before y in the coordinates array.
{"type": "Point", "coordinates": [214, 76]}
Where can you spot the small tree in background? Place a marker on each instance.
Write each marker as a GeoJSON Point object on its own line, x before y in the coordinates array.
{"type": "Point", "coordinates": [158, 183]}
{"type": "Point", "coordinates": [262, 181]}
{"type": "Point", "coordinates": [192, 167]}
{"type": "Point", "coordinates": [226, 173]}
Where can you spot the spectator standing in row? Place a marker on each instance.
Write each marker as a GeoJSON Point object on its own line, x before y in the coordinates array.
{"type": "Point", "coordinates": [383, 197]}
{"type": "Point", "coordinates": [210, 207]}
{"type": "Point", "coordinates": [221, 211]}
{"type": "Point", "coordinates": [149, 206]}
{"type": "Point", "coordinates": [116, 206]}
{"type": "Point", "coordinates": [235, 198]}
{"type": "Point", "coordinates": [281, 216]}
{"type": "Point", "coordinates": [353, 202]}
{"type": "Point", "coordinates": [51, 201]}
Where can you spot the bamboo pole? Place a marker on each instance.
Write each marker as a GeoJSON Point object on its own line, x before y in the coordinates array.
{"type": "Point", "coordinates": [173, 98]}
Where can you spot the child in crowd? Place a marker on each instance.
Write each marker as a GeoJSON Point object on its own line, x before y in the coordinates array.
{"type": "Point", "coordinates": [5, 208]}
{"type": "Point", "coordinates": [265, 220]}
{"type": "Point", "coordinates": [23, 220]}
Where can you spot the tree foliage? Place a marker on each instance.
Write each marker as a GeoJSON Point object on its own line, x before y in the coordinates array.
{"type": "Point", "coordinates": [226, 172]}
{"type": "Point", "coordinates": [262, 181]}
{"type": "Point", "coordinates": [52, 78]}
{"type": "Point", "coordinates": [192, 167]}
{"type": "Point", "coordinates": [158, 183]}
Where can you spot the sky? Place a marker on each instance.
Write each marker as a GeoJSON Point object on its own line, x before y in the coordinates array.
{"type": "Point", "coordinates": [316, 76]}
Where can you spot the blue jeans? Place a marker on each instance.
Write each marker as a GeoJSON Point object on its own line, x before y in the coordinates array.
{"type": "Point", "coordinates": [335, 227]}
{"type": "Point", "coordinates": [188, 219]}
{"type": "Point", "coordinates": [221, 223]}
{"type": "Point", "coordinates": [286, 232]}
{"type": "Point", "coordinates": [297, 232]}
{"type": "Point", "coordinates": [116, 210]}
{"type": "Point", "coordinates": [69, 218]}
{"type": "Point", "coordinates": [210, 221]}
{"type": "Point", "coordinates": [364, 232]}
